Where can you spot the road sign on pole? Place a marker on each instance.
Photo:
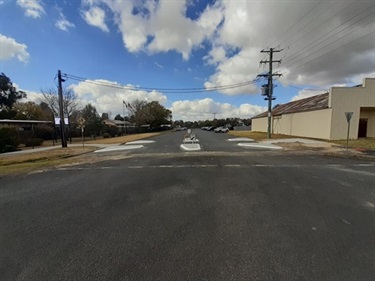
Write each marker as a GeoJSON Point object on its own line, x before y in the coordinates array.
{"type": "Point", "coordinates": [348, 116]}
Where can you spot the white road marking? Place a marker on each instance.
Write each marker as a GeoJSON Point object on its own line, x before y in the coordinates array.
{"type": "Point", "coordinates": [140, 142]}
{"type": "Point", "coordinates": [258, 145]}
{"type": "Point", "coordinates": [118, 148]}
{"type": "Point", "coordinates": [241, 139]}
{"type": "Point", "coordinates": [190, 146]}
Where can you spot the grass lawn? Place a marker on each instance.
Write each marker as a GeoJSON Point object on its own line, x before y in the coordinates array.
{"type": "Point", "coordinates": [28, 162]}
{"type": "Point", "coordinates": [367, 143]}
{"type": "Point", "coordinates": [257, 136]}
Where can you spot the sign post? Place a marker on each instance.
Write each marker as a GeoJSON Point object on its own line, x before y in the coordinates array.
{"type": "Point", "coordinates": [81, 124]}
{"type": "Point", "coordinates": [348, 116]}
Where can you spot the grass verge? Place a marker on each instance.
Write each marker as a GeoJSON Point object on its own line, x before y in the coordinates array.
{"type": "Point", "coordinates": [28, 162]}
{"type": "Point", "coordinates": [257, 136]}
{"type": "Point", "coordinates": [360, 144]}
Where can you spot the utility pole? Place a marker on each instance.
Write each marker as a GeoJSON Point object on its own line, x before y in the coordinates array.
{"type": "Point", "coordinates": [269, 89]}
{"type": "Point", "coordinates": [61, 106]}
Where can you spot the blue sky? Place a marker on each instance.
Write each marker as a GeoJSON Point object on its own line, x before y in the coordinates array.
{"type": "Point", "coordinates": [178, 44]}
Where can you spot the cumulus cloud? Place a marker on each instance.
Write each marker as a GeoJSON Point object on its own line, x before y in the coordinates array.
{"type": "Point", "coordinates": [10, 49]}
{"type": "Point", "coordinates": [63, 24]}
{"type": "Point", "coordinates": [33, 8]}
{"type": "Point", "coordinates": [109, 99]}
{"type": "Point", "coordinates": [205, 109]}
{"type": "Point", "coordinates": [306, 94]}
{"type": "Point", "coordinates": [160, 26]}
{"type": "Point", "coordinates": [95, 16]}
{"type": "Point", "coordinates": [322, 42]}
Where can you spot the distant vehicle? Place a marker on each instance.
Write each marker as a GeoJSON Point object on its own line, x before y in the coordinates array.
{"type": "Point", "coordinates": [181, 129]}
{"type": "Point", "coordinates": [221, 130]}
{"type": "Point", "coordinates": [211, 128]}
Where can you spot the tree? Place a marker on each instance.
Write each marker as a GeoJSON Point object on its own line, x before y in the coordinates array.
{"type": "Point", "coordinates": [93, 123]}
{"type": "Point", "coordinates": [150, 113]}
{"type": "Point", "coordinates": [8, 93]}
{"type": "Point", "coordinates": [70, 102]}
{"type": "Point", "coordinates": [30, 111]}
{"type": "Point", "coordinates": [119, 117]}
{"type": "Point", "coordinates": [138, 112]}
{"type": "Point", "coordinates": [8, 96]}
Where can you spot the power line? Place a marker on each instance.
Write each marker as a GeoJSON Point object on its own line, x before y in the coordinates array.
{"type": "Point", "coordinates": [297, 54]}
{"type": "Point", "coordinates": [168, 90]}
{"type": "Point", "coordinates": [325, 22]}
{"type": "Point", "coordinates": [333, 50]}
{"type": "Point", "coordinates": [293, 25]}
{"type": "Point", "coordinates": [329, 45]}
{"type": "Point", "coordinates": [300, 29]}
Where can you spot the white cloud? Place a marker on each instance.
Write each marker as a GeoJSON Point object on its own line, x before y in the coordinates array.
{"type": "Point", "coordinates": [205, 109]}
{"type": "Point", "coordinates": [33, 8]}
{"type": "Point", "coordinates": [306, 94]}
{"type": "Point", "coordinates": [158, 64]}
{"type": "Point", "coordinates": [107, 99]}
{"type": "Point", "coordinates": [95, 16]}
{"type": "Point", "coordinates": [323, 42]}
{"type": "Point", "coordinates": [160, 26]}
{"type": "Point", "coordinates": [9, 48]}
{"type": "Point", "coordinates": [63, 24]}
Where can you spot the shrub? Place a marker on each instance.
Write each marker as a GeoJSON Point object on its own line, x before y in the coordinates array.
{"type": "Point", "coordinates": [43, 131]}
{"type": "Point", "coordinates": [106, 135]}
{"type": "Point", "coordinates": [33, 142]}
{"type": "Point", "coordinates": [9, 139]}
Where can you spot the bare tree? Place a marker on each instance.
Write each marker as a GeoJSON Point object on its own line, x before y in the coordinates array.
{"type": "Point", "coordinates": [70, 102]}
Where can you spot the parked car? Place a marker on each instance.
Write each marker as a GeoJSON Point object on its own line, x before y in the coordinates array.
{"type": "Point", "coordinates": [221, 130]}
{"type": "Point", "coordinates": [211, 128]}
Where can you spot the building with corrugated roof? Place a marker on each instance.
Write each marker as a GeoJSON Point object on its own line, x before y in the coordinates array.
{"type": "Point", "coordinates": [323, 116]}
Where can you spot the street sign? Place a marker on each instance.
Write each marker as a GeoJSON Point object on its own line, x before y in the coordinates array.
{"type": "Point", "coordinates": [348, 116]}
{"type": "Point", "coordinates": [81, 121]}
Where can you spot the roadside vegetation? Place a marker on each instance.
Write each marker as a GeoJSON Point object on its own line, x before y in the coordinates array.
{"type": "Point", "coordinates": [31, 162]}
{"type": "Point", "coordinates": [359, 144]}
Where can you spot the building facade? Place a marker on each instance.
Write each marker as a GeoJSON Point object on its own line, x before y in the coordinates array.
{"type": "Point", "coordinates": [323, 116]}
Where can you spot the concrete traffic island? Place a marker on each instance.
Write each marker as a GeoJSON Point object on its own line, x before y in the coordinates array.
{"type": "Point", "coordinates": [190, 142]}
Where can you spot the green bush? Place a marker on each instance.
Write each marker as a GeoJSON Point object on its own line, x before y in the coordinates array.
{"type": "Point", "coordinates": [106, 135]}
{"type": "Point", "coordinates": [9, 139]}
{"type": "Point", "coordinates": [33, 142]}
{"type": "Point", "coordinates": [43, 131]}
{"type": "Point", "coordinates": [113, 131]}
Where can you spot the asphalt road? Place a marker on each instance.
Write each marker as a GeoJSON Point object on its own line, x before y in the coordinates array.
{"type": "Point", "coordinates": [223, 213]}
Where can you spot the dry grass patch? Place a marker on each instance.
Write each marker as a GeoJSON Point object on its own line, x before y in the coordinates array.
{"type": "Point", "coordinates": [25, 163]}
{"type": "Point", "coordinates": [122, 139]}
{"type": "Point", "coordinates": [257, 136]}
{"type": "Point", "coordinates": [21, 163]}
{"type": "Point", "coordinates": [367, 143]}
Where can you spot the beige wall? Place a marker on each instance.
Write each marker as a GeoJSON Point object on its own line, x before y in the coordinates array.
{"type": "Point", "coordinates": [351, 99]}
{"type": "Point", "coordinates": [329, 123]}
{"type": "Point", "coordinates": [313, 124]}
{"type": "Point", "coordinates": [259, 125]}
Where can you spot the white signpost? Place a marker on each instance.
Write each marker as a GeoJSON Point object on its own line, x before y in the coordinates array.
{"type": "Point", "coordinates": [348, 116]}
{"type": "Point", "coordinates": [81, 124]}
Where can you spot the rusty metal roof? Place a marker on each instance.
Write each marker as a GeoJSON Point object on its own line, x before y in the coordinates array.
{"type": "Point", "coordinates": [308, 104]}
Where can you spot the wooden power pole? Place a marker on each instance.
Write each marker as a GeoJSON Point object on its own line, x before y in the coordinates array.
{"type": "Point", "coordinates": [269, 88]}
